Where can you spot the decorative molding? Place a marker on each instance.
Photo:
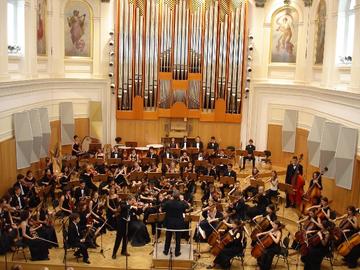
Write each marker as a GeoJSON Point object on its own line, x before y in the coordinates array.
{"type": "Point", "coordinates": [308, 3]}
{"type": "Point", "coordinates": [260, 3]}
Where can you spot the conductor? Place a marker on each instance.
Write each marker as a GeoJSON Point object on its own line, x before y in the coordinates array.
{"type": "Point", "coordinates": [174, 220]}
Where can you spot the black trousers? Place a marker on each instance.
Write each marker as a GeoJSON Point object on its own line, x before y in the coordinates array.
{"type": "Point", "coordinates": [121, 236]}
{"type": "Point", "coordinates": [248, 158]}
{"type": "Point", "coordinates": [168, 242]}
{"type": "Point", "coordinates": [83, 250]}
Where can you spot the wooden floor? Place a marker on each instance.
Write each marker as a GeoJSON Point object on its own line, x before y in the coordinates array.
{"type": "Point", "coordinates": [141, 257]}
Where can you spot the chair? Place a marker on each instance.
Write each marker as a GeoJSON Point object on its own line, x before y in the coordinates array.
{"type": "Point", "coordinates": [284, 252]}
{"type": "Point", "coordinates": [19, 246]}
{"type": "Point", "coordinates": [240, 257]}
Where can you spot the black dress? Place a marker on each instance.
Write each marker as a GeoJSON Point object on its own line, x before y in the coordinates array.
{"type": "Point", "coordinates": [231, 250]}
{"type": "Point", "coordinates": [47, 231]}
{"type": "Point", "coordinates": [138, 233]}
{"type": "Point", "coordinates": [265, 261]}
{"type": "Point", "coordinates": [39, 249]}
{"type": "Point", "coordinates": [110, 215]}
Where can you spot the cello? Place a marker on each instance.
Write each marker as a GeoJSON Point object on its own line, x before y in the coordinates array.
{"type": "Point", "coordinates": [297, 183]}
{"type": "Point", "coordinates": [345, 247]}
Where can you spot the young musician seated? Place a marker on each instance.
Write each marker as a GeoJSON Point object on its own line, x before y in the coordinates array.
{"type": "Point", "coordinates": [66, 204]}
{"type": "Point", "coordinates": [213, 144]}
{"type": "Point", "coordinates": [198, 144]}
{"type": "Point", "coordinates": [18, 201]}
{"type": "Point", "coordinates": [250, 148]}
{"type": "Point", "coordinates": [316, 253]}
{"type": "Point", "coordinates": [210, 222]}
{"type": "Point", "coordinates": [82, 192]}
{"type": "Point", "coordinates": [76, 146]}
{"type": "Point", "coordinates": [184, 144]}
{"type": "Point", "coordinates": [352, 258]}
{"type": "Point", "coordinates": [38, 248]}
{"type": "Point", "coordinates": [173, 143]}
{"type": "Point", "coordinates": [265, 261]}
{"type": "Point", "coordinates": [184, 157]}
{"type": "Point", "coordinates": [323, 209]}
{"type": "Point", "coordinates": [153, 155]}
{"type": "Point", "coordinates": [75, 240]}
{"type": "Point", "coordinates": [261, 201]}
{"type": "Point", "coordinates": [232, 249]}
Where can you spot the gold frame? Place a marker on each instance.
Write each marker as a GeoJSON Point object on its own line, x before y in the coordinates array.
{"type": "Point", "coordinates": [91, 31]}
{"type": "Point", "coordinates": [271, 35]}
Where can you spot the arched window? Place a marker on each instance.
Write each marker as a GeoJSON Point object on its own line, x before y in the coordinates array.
{"type": "Point", "coordinates": [15, 26]}
{"type": "Point", "coordinates": [345, 31]}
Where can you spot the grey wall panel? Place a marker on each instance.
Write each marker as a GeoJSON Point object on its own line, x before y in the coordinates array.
{"type": "Point", "coordinates": [345, 156]}
{"type": "Point", "coordinates": [328, 146]}
{"type": "Point", "coordinates": [46, 132]}
{"type": "Point", "coordinates": [67, 122]}
{"type": "Point", "coordinates": [289, 131]}
{"type": "Point", "coordinates": [314, 140]}
{"type": "Point", "coordinates": [23, 139]}
{"type": "Point", "coordinates": [37, 134]}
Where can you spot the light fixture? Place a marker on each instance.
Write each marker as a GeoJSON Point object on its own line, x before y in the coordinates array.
{"type": "Point", "coordinates": [249, 69]}
{"type": "Point", "coordinates": [111, 74]}
{"type": "Point", "coordinates": [111, 64]}
{"type": "Point", "coordinates": [111, 33]}
{"type": "Point", "coordinates": [112, 86]}
{"type": "Point", "coordinates": [111, 43]}
{"type": "Point", "coordinates": [111, 53]}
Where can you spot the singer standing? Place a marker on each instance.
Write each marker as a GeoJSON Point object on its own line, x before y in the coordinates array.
{"type": "Point", "coordinates": [174, 220]}
{"type": "Point", "coordinates": [122, 228]}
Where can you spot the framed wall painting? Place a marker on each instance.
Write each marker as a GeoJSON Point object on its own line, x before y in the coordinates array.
{"type": "Point", "coordinates": [284, 35]}
{"type": "Point", "coordinates": [78, 29]}
{"type": "Point", "coordinates": [41, 24]}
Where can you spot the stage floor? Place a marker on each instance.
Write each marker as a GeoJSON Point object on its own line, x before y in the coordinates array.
{"type": "Point", "coordinates": [141, 258]}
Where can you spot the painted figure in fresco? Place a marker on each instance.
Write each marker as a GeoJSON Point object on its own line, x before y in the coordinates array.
{"type": "Point", "coordinates": [284, 41]}
{"type": "Point", "coordinates": [76, 24]}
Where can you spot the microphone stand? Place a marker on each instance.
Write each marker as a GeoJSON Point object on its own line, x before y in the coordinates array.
{"type": "Point", "coordinates": [170, 267]}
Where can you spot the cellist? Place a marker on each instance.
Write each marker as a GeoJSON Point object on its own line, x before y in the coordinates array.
{"type": "Point", "coordinates": [292, 169]}
{"type": "Point", "coordinates": [353, 256]}
{"type": "Point", "coordinates": [264, 262]}
{"type": "Point", "coordinates": [324, 211]}
{"type": "Point", "coordinates": [349, 223]}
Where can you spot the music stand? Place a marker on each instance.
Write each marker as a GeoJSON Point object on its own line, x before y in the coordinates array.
{"type": "Point", "coordinates": [93, 147]}
{"type": "Point", "coordinates": [287, 189]}
{"type": "Point", "coordinates": [172, 175]}
{"type": "Point", "coordinates": [221, 161]}
{"type": "Point", "coordinates": [155, 218]}
{"type": "Point", "coordinates": [100, 178]}
{"type": "Point", "coordinates": [148, 161]}
{"type": "Point", "coordinates": [128, 163]}
{"type": "Point", "coordinates": [153, 175]}
{"type": "Point", "coordinates": [201, 163]}
{"type": "Point", "coordinates": [112, 161]}
{"type": "Point", "coordinates": [227, 180]}
{"type": "Point", "coordinates": [207, 178]}
{"type": "Point", "coordinates": [168, 161]}
{"type": "Point", "coordinates": [183, 164]}
{"type": "Point", "coordinates": [175, 151]}
{"type": "Point", "coordinates": [256, 183]}
{"type": "Point", "coordinates": [191, 176]}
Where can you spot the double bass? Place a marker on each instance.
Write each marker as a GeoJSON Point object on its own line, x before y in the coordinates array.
{"type": "Point", "coordinates": [297, 183]}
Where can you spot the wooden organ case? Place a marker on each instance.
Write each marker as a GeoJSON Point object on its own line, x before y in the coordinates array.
{"type": "Point", "coordinates": [180, 59]}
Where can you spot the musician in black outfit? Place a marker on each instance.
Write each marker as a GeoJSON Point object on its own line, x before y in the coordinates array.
{"type": "Point", "coordinates": [81, 192]}
{"type": "Point", "coordinates": [19, 183]}
{"type": "Point", "coordinates": [75, 240]}
{"type": "Point", "coordinates": [198, 143]}
{"type": "Point", "coordinates": [153, 155]}
{"type": "Point", "coordinates": [250, 148]}
{"type": "Point", "coordinates": [184, 144]}
{"type": "Point", "coordinates": [292, 168]}
{"type": "Point", "coordinates": [353, 256]}
{"type": "Point", "coordinates": [213, 144]}
{"type": "Point", "coordinates": [18, 201]}
{"type": "Point", "coordinates": [174, 220]}
{"type": "Point", "coordinates": [122, 223]}
{"type": "Point", "coordinates": [76, 151]}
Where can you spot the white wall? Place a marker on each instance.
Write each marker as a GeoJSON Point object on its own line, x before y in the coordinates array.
{"type": "Point", "coordinates": [330, 91]}
{"type": "Point", "coordinates": [31, 81]}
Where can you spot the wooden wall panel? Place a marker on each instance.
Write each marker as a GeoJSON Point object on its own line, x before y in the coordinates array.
{"type": "Point", "coordinates": [151, 131]}
{"type": "Point", "coordinates": [8, 171]}
{"type": "Point", "coordinates": [341, 197]}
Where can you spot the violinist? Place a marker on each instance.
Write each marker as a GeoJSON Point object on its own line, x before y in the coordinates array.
{"type": "Point", "coordinates": [8, 229]}
{"type": "Point", "coordinates": [318, 248]}
{"type": "Point", "coordinates": [273, 192]}
{"type": "Point", "coordinates": [232, 249]}
{"type": "Point", "coordinates": [210, 222]}
{"type": "Point", "coordinates": [293, 168]}
{"type": "Point", "coordinates": [134, 156]}
{"type": "Point", "coordinates": [29, 180]}
{"type": "Point", "coordinates": [75, 240]}
{"type": "Point", "coordinates": [20, 183]}
{"type": "Point", "coordinates": [261, 202]}
{"type": "Point", "coordinates": [264, 262]}
{"type": "Point", "coordinates": [151, 154]}
{"type": "Point", "coordinates": [138, 233]}
{"type": "Point", "coordinates": [166, 155]}
{"type": "Point", "coordinates": [184, 144]}
{"type": "Point", "coordinates": [172, 167]}
{"type": "Point", "coordinates": [173, 143]}
{"type": "Point", "coordinates": [66, 204]}
{"type": "Point", "coordinates": [230, 173]}
{"type": "Point", "coordinates": [250, 191]}
{"type": "Point", "coordinates": [87, 177]}
{"type": "Point", "coordinates": [213, 145]}
{"type": "Point", "coordinates": [76, 146]}
{"type": "Point", "coordinates": [115, 153]}
{"type": "Point", "coordinates": [65, 177]}
{"type": "Point", "coordinates": [48, 180]}
{"type": "Point", "coordinates": [38, 248]}
{"type": "Point", "coordinates": [198, 143]}
{"type": "Point", "coordinates": [82, 192]}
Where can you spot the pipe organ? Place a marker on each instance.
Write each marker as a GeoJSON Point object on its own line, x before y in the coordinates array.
{"type": "Point", "coordinates": [180, 55]}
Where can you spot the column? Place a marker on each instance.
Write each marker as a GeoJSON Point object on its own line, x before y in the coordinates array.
{"type": "Point", "coordinates": [4, 65]}
{"type": "Point", "coordinates": [355, 65]}
{"type": "Point", "coordinates": [328, 70]}
{"type": "Point", "coordinates": [97, 70]}
{"type": "Point", "coordinates": [56, 38]}
{"type": "Point", "coordinates": [30, 50]}
{"type": "Point", "coordinates": [301, 61]}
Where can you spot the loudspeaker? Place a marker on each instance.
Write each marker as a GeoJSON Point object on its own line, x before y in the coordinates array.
{"type": "Point", "coordinates": [46, 132]}
{"type": "Point", "coordinates": [328, 144]}
{"type": "Point", "coordinates": [289, 131]}
{"type": "Point", "coordinates": [67, 123]}
{"type": "Point", "coordinates": [345, 156]}
{"type": "Point", "coordinates": [37, 134]}
{"type": "Point", "coordinates": [23, 139]}
{"type": "Point", "coordinates": [314, 140]}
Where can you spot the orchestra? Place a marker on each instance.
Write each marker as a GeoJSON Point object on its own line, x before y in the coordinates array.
{"type": "Point", "coordinates": [231, 213]}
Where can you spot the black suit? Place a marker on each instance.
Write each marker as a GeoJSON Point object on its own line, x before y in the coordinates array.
{"type": "Point", "coordinates": [213, 145]}
{"type": "Point", "coordinates": [16, 203]}
{"type": "Point", "coordinates": [250, 148]}
{"type": "Point", "coordinates": [200, 146]}
{"type": "Point", "coordinates": [24, 189]}
{"type": "Point", "coordinates": [74, 239]}
{"type": "Point", "coordinates": [153, 156]}
{"type": "Point", "coordinates": [174, 220]}
{"type": "Point", "coordinates": [185, 144]}
{"type": "Point", "coordinates": [122, 228]}
{"type": "Point", "coordinates": [115, 154]}
{"type": "Point", "coordinates": [290, 171]}
{"type": "Point", "coordinates": [79, 194]}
